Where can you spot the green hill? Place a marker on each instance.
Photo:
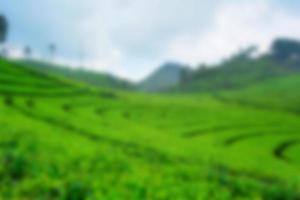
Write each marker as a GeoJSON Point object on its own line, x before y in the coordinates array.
{"type": "Point", "coordinates": [281, 93]}
{"type": "Point", "coordinates": [233, 74]}
{"type": "Point", "coordinates": [16, 78]}
{"type": "Point", "coordinates": [242, 70]}
{"type": "Point", "coordinates": [64, 140]}
{"type": "Point", "coordinates": [90, 77]}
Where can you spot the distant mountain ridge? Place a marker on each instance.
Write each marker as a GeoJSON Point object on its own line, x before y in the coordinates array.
{"type": "Point", "coordinates": [243, 70]}
{"type": "Point", "coordinates": [240, 71]}
{"type": "Point", "coordinates": [168, 75]}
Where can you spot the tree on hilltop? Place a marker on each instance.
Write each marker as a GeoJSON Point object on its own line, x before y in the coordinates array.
{"type": "Point", "coordinates": [3, 34]}
{"type": "Point", "coordinates": [3, 28]}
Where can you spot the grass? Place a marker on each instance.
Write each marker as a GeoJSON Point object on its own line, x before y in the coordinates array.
{"type": "Point", "coordinates": [59, 143]}
{"type": "Point", "coordinates": [279, 93]}
{"type": "Point", "coordinates": [90, 77]}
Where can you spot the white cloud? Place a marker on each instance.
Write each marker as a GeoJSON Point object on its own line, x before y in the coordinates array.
{"type": "Point", "coordinates": [13, 51]}
{"type": "Point", "coordinates": [131, 37]}
{"type": "Point", "coordinates": [235, 26]}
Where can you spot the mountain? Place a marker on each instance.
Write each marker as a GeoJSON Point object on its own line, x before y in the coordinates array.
{"type": "Point", "coordinates": [90, 77]}
{"type": "Point", "coordinates": [168, 75]}
{"type": "Point", "coordinates": [230, 75]}
{"type": "Point", "coordinates": [243, 70]}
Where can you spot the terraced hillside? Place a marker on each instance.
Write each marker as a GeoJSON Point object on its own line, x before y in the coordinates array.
{"type": "Point", "coordinates": [16, 79]}
{"type": "Point", "coordinates": [62, 140]}
{"type": "Point", "coordinates": [94, 78]}
{"type": "Point", "coordinates": [277, 93]}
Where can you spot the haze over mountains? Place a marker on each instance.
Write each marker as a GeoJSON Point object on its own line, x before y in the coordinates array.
{"type": "Point", "coordinates": [241, 70]}
{"type": "Point", "coordinates": [166, 76]}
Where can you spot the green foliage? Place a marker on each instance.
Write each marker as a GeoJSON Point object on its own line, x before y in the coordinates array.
{"type": "Point", "coordinates": [236, 73]}
{"type": "Point", "coordinates": [8, 101]}
{"type": "Point", "coordinates": [76, 191]}
{"type": "Point", "coordinates": [14, 166]}
{"type": "Point", "coordinates": [75, 142]}
{"type": "Point", "coordinates": [278, 93]}
{"type": "Point", "coordinates": [244, 70]}
{"type": "Point", "coordinates": [286, 50]}
{"type": "Point", "coordinates": [3, 28]}
{"type": "Point", "coordinates": [89, 77]}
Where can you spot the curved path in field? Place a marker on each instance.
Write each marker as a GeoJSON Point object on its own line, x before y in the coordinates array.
{"type": "Point", "coordinates": [238, 138]}
{"type": "Point", "coordinates": [204, 131]}
{"type": "Point", "coordinates": [132, 149]}
{"type": "Point", "coordinates": [280, 149]}
{"type": "Point", "coordinates": [254, 105]}
{"type": "Point", "coordinates": [58, 94]}
{"type": "Point", "coordinates": [242, 137]}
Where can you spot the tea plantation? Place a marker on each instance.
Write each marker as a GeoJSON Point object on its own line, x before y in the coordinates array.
{"type": "Point", "coordinates": [65, 140]}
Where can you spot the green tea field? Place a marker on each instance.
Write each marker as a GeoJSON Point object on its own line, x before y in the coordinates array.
{"type": "Point", "coordinates": [60, 139]}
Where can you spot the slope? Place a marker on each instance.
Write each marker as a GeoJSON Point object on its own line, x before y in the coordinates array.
{"type": "Point", "coordinates": [233, 74]}
{"type": "Point", "coordinates": [134, 146]}
{"type": "Point", "coordinates": [276, 93]}
{"type": "Point", "coordinates": [89, 77]}
{"type": "Point", "coordinates": [166, 76]}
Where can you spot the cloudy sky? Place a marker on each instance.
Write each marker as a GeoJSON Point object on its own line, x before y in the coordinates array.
{"type": "Point", "coordinates": [131, 38]}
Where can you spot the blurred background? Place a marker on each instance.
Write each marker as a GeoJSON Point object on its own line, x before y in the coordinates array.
{"type": "Point", "coordinates": [131, 38]}
{"type": "Point", "coordinates": [127, 99]}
